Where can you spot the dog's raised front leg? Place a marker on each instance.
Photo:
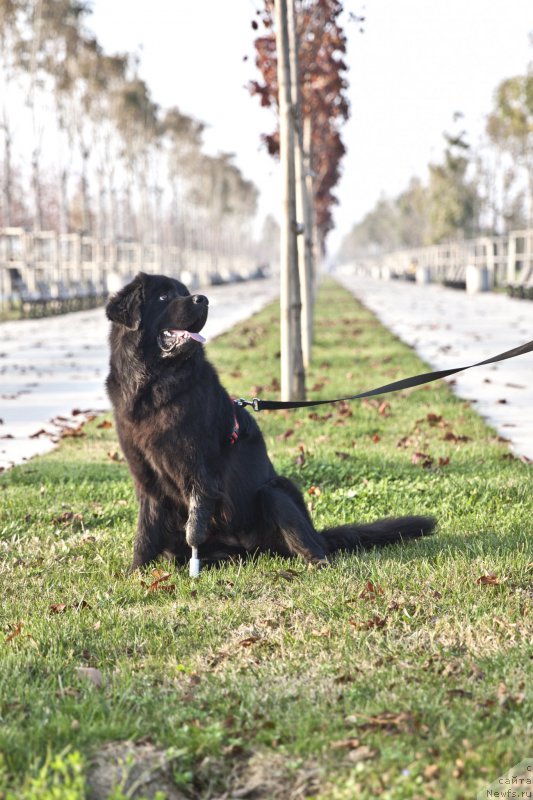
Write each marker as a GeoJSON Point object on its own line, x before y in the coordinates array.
{"type": "Point", "coordinates": [200, 512]}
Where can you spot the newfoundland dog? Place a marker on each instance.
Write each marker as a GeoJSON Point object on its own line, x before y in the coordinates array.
{"type": "Point", "coordinates": [199, 461]}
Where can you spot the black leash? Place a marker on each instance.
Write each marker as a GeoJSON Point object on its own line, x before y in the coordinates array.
{"type": "Point", "coordinates": [405, 383]}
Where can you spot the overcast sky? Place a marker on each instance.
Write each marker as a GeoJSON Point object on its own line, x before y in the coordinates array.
{"type": "Point", "coordinates": [417, 63]}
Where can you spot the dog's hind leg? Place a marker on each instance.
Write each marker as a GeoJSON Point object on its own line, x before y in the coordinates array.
{"type": "Point", "coordinates": [286, 526]}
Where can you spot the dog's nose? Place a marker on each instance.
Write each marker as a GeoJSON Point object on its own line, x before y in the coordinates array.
{"type": "Point", "coordinates": [200, 299]}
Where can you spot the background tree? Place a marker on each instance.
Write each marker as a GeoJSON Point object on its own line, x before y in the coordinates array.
{"type": "Point", "coordinates": [510, 126]}
{"type": "Point", "coordinates": [451, 195]}
{"type": "Point", "coordinates": [322, 46]}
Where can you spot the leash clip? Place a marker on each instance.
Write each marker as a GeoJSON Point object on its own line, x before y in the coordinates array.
{"type": "Point", "coordinates": [242, 402]}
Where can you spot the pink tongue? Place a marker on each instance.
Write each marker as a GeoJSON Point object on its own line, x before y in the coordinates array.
{"type": "Point", "coordinates": [196, 337]}
{"type": "Point", "coordinates": [189, 334]}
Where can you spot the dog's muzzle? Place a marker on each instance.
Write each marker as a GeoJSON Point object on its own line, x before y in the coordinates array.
{"type": "Point", "coordinates": [170, 338]}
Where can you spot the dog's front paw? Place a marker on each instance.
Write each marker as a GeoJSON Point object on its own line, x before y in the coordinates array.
{"type": "Point", "coordinates": [195, 536]}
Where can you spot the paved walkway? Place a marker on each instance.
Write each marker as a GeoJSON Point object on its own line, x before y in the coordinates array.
{"type": "Point", "coordinates": [50, 368]}
{"type": "Point", "coordinates": [449, 328]}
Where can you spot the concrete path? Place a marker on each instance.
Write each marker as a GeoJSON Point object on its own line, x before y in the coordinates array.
{"type": "Point", "coordinates": [51, 369]}
{"type": "Point", "coordinates": [449, 328]}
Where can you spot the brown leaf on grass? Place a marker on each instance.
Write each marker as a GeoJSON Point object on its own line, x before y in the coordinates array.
{"type": "Point", "coordinates": [17, 630]}
{"type": "Point", "coordinates": [114, 455]}
{"type": "Point", "coordinates": [300, 458]}
{"type": "Point", "coordinates": [434, 419]}
{"type": "Point", "coordinates": [459, 768]}
{"type": "Point", "coordinates": [58, 608]}
{"type": "Point", "coordinates": [405, 441]}
{"type": "Point", "coordinates": [370, 591]}
{"type": "Point", "coordinates": [449, 436]}
{"type": "Point", "coordinates": [345, 744]}
{"type": "Point", "coordinates": [423, 459]}
{"type": "Point", "coordinates": [67, 516]}
{"type": "Point", "coordinates": [431, 771]}
{"type": "Point", "coordinates": [388, 720]}
{"type": "Point", "coordinates": [72, 432]}
{"type": "Point", "coordinates": [91, 674]}
{"type": "Point", "coordinates": [376, 438]}
{"type": "Point", "coordinates": [40, 432]}
{"type": "Point", "coordinates": [384, 409]}
{"type": "Point", "coordinates": [342, 456]}
{"type": "Point", "coordinates": [505, 698]}
{"type": "Point", "coordinates": [443, 462]}
{"type": "Point", "coordinates": [344, 408]}
{"type": "Point", "coordinates": [374, 622]}
{"type": "Point", "coordinates": [285, 435]}
{"type": "Point", "coordinates": [322, 633]}
{"type": "Point", "coordinates": [488, 580]}
{"type": "Point", "coordinates": [362, 753]}
{"type": "Point", "coordinates": [158, 584]}
{"type": "Point", "coordinates": [105, 425]}
{"type": "Point", "coordinates": [319, 417]}
{"type": "Point", "coordinates": [249, 641]}
{"type": "Point", "coordinates": [315, 491]}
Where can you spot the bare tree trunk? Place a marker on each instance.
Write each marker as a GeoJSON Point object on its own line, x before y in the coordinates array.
{"type": "Point", "coordinates": [311, 234]}
{"type": "Point", "coordinates": [303, 212]}
{"type": "Point", "coordinates": [85, 202]}
{"type": "Point", "coordinates": [37, 194]}
{"type": "Point", "coordinates": [64, 215]}
{"type": "Point", "coordinates": [292, 368]}
{"type": "Point", "coordinates": [7, 183]}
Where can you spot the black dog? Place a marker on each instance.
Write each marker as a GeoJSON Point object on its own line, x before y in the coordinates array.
{"type": "Point", "coordinates": [199, 461]}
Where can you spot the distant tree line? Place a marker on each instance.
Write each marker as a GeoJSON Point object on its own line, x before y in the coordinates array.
{"type": "Point", "coordinates": [486, 190]}
{"type": "Point", "coordinates": [84, 147]}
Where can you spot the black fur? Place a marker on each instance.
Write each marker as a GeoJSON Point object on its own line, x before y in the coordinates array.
{"type": "Point", "coordinates": [175, 421]}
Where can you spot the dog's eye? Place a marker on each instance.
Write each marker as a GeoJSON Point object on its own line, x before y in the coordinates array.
{"type": "Point", "coordinates": [163, 297]}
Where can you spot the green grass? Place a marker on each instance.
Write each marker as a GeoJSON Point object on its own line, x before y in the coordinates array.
{"type": "Point", "coordinates": [393, 673]}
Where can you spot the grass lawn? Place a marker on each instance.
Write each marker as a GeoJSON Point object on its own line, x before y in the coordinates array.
{"type": "Point", "coordinates": [400, 673]}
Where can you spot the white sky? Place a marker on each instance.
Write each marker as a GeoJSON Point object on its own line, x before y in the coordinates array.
{"type": "Point", "coordinates": [417, 63]}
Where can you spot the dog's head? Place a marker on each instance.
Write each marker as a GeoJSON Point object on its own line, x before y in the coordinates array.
{"type": "Point", "coordinates": [162, 311]}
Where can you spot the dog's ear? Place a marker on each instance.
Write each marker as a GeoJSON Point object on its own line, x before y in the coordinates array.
{"type": "Point", "coordinates": [125, 306]}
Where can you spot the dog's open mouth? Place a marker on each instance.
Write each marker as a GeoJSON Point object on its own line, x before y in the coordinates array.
{"type": "Point", "coordinates": [170, 338]}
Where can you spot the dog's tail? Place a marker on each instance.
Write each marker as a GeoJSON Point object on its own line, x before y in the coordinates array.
{"type": "Point", "coordinates": [377, 534]}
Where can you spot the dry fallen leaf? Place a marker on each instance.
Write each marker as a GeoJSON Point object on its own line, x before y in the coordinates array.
{"type": "Point", "coordinates": [348, 744]}
{"type": "Point", "coordinates": [17, 630]}
{"type": "Point", "coordinates": [91, 674]}
{"type": "Point", "coordinates": [249, 641]}
{"type": "Point", "coordinates": [362, 753]}
{"type": "Point", "coordinates": [370, 591]}
{"type": "Point", "coordinates": [488, 580]}
{"type": "Point", "coordinates": [431, 771]}
{"type": "Point", "coordinates": [423, 459]}
{"type": "Point", "coordinates": [58, 608]}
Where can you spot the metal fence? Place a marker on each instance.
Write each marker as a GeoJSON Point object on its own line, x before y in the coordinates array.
{"type": "Point", "coordinates": [40, 267]}
{"type": "Point", "coordinates": [505, 261]}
